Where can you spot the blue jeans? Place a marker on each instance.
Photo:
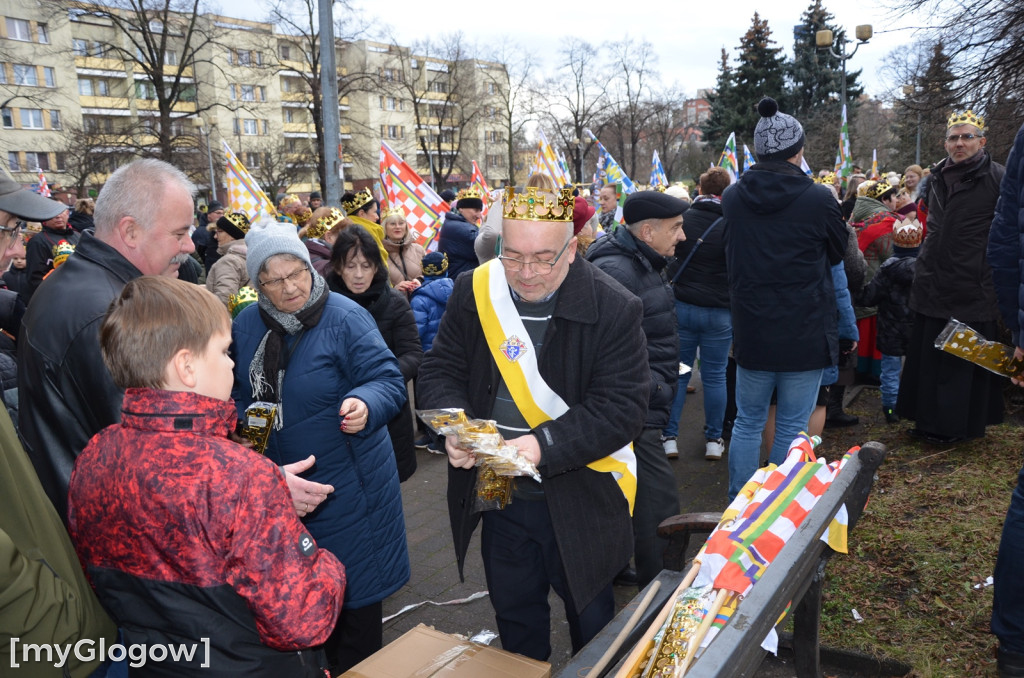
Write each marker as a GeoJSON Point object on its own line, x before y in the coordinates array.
{"type": "Point", "coordinates": [797, 394]}
{"type": "Point", "coordinates": [709, 328]}
{"type": "Point", "coordinates": [1008, 596]}
{"type": "Point", "coordinates": [890, 379]}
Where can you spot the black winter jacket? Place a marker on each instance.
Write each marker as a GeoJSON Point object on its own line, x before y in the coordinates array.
{"type": "Point", "coordinates": [783, 233]}
{"type": "Point", "coordinates": [65, 393]}
{"type": "Point", "coordinates": [705, 281]}
{"type": "Point", "coordinates": [1006, 240]}
{"type": "Point", "coordinates": [607, 399]}
{"type": "Point", "coordinates": [638, 268]}
{"type": "Point", "coordinates": [397, 325]}
{"type": "Point", "coordinates": [952, 278]}
{"type": "Point", "coordinates": [889, 290]}
{"type": "Point", "coordinates": [456, 239]}
{"type": "Point", "coordinates": [39, 255]}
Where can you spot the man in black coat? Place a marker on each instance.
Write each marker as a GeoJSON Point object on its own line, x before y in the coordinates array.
{"type": "Point", "coordinates": [636, 257]}
{"type": "Point", "coordinates": [572, 531]}
{"type": "Point", "coordinates": [459, 231]}
{"type": "Point", "coordinates": [948, 398]}
{"type": "Point", "coordinates": [782, 234]}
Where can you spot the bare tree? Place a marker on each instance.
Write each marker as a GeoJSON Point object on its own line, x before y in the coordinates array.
{"type": "Point", "coordinates": [635, 68]}
{"type": "Point", "coordinates": [576, 95]}
{"type": "Point", "coordinates": [664, 128]}
{"type": "Point", "coordinates": [90, 152]}
{"type": "Point", "coordinates": [514, 89]}
{"type": "Point", "coordinates": [275, 166]}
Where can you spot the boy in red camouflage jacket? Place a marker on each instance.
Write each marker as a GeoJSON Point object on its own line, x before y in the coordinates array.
{"type": "Point", "coordinates": [184, 534]}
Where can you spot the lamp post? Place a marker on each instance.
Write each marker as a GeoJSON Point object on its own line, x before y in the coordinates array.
{"type": "Point", "coordinates": [910, 92]}
{"type": "Point", "coordinates": [824, 39]}
{"type": "Point", "coordinates": [209, 155]}
{"type": "Point", "coordinates": [423, 135]}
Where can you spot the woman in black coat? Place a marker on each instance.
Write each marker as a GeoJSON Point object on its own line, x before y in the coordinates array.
{"type": "Point", "coordinates": [356, 271]}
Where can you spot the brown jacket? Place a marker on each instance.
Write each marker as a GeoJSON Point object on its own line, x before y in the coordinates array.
{"type": "Point", "coordinates": [404, 259]}
{"type": "Point", "coordinates": [228, 274]}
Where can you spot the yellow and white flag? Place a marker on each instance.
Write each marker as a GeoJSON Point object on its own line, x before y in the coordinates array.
{"type": "Point", "coordinates": [244, 194]}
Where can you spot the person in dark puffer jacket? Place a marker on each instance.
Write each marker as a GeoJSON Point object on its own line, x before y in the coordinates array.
{"type": "Point", "coordinates": [458, 233]}
{"type": "Point", "coordinates": [358, 273]}
{"type": "Point", "coordinates": [635, 256]}
{"type": "Point", "coordinates": [216, 552]}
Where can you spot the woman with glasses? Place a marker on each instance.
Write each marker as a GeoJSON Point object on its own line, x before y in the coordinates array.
{"type": "Point", "coordinates": [319, 358]}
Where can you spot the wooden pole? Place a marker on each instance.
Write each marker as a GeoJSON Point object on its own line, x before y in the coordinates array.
{"type": "Point", "coordinates": [702, 630]}
{"type": "Point", "coordinates": [626, 630]}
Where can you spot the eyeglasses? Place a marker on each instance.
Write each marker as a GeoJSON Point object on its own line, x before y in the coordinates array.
{"type": "Point", "coordinates": [953, 138]}
{"type": "Point", "coordinates": [541, 267]}
{"type": "Point", "coordinates": [278, 283]}
{"type": "Point", "coordinates": [10, 232]}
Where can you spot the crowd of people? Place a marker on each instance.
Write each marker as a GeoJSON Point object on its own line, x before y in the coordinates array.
{"type": "Point", "coordinates": [134, 508]}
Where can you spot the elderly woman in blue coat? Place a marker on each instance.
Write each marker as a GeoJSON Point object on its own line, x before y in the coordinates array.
{"type": "Point", "coordinates": [319, 357]}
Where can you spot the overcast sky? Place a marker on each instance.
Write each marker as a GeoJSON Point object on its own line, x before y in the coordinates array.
{"type": "Point", "coordinates": [687, 36]}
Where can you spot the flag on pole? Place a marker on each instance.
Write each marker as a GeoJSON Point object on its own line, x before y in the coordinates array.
{"type": "Point", "coordinates": [406, 189]}
{"type": "Point", "coordinates": [748, 158]}
{"type": "Point", "coordinates": [610, 170]}
{"type": "Point", "coordinates": [244, 194]}
{"type": "Point", "coordinates": [844, 163]}
{"type": "Point", "coordinates": [805, 167]}
{"type": "Point", "coordinates": [44, 188]}
{"type": "Point", "coordinates": [478, 180]}
{"type": "Point", "coordinates": [658, 177]}
{"type": "Point", "coordinates": [549, 163]}
{"type": "Point", "coordinates": [874, 164]}
{"type": "Point", "coordinates": [728, 157]}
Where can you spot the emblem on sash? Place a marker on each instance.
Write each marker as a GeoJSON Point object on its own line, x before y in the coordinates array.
{"type": "Point", "coordinates": [513, 348]}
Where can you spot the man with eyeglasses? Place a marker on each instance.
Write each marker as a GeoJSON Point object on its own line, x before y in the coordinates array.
{"type": "Point", "coordinates": [951, 399]}
{"type": "Point", "coordinates": [636, 257]}
{"type": "Point", "coordinates": [551, 348]}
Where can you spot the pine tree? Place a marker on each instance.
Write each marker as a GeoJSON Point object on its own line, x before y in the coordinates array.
{"type": "Point", "coordinates": [721, 122]}
{"type": "Point", "coordinates": [815, 75]}
{"type": "Point", "coordinates": [926, 106]}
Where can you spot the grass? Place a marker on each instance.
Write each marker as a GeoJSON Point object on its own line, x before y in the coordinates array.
{"type": "Point", "coordinates": [928, 537]}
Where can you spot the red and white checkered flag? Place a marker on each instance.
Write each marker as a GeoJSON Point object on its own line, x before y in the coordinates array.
{"type": "Point", "coordinates": [406, 189]}
{"type": "Point", "coordinates": [44, 188]}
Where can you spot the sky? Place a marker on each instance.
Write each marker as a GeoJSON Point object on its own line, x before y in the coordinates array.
{"type": "Point", "coordinates": [686, 37]}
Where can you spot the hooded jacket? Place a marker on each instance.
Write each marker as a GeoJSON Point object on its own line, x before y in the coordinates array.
{"type": "Point", "coordinates": [1006, 240]}
{"type": "Point", "coordinates": [428, 304]}
{"type": "Point", "coordinates": [456, 239]}
{"type": "Point", "coordinates": [229, 274]}
{"type": "Point", "coordinates": [783, 233]}
{"type": "Point", "coordinates": [638, 268]}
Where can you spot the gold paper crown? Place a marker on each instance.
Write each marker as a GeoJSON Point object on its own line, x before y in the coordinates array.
{"type": "Point", "coordinates": [355, 204]}
{"type": "Point", "coordinates": [878, 189]}
{"type": "Point", "coordinates": [907, 233]}
{"type": "Point", "coordinates": [61, 252]}
{"type": "Point", "coordinates": [966, 118]}
{"type": "Point", "coordinates": [239, 220]}
{"type": "Point", "coordinates": [288, 201]}
{"type": "Point", "coordinates": [395, 211]}
{"type": "Point", "coordinates": [244, 297]}
{"type": "Point", "coordinates": [534, 206]}
{"type": "Point", "coordinates": [325, 223]}
{"type": "Point", "coordinates": [431, 269]}
{"type": "Point", "coordinates": [829, 178]}
{"type": "Point", "coordinates": [470, 192]}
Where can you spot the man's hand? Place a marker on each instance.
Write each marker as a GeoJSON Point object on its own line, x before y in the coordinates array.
{"type": "Point", "coordinates": [459, 457]}
{"type": "Point", "coordinates": [1018, 354]}
{"type": "Point", "coordinates": [528, 447]}
{"type": "Point", "coordinates": [354, 415]}
{"type": "Point", "coordinates": [306, 494]}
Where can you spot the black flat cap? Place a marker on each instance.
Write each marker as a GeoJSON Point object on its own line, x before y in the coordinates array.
{"type": "Point", "coordinates": [645, 205]}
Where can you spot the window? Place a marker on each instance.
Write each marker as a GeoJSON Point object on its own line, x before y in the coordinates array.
{"type": "Point", "coordinates": [31, 118]}
{"type": "Point", "coordinates": [392, 131]}
{"type": "Point", "coordinates": [3, 73]}
{"type": "Point", "coordinates": [494, 136]}
{"type": "Point", "coordinates": [391, 74]}
{"type": "Point", "coordinates": [55, 120]}
{"type": "Point", "coordinates": [156, 26]}
{"type": "Point", "coordinates": [144, 90]}
{"type": "Point", "coordinates": [85, 87]}
{"type": "Point", "coordinates": [391, 103]}
{"type": "Point", "coordinates": [252, 160]}
{"type": "Point", "coordinates": [285, 52]}
{"type": "Point", "coordinates": [245, 57]}
{"type": "Point", "coordinates": [7, 117]}
{"type": "Point", "coordinates": [80, 47]}
{"type": "Point", "coordinates": [13, 163]}
{"type": "Point", "coordinates": [492, 88]}
{"type": "Point", "coordinates": [44, 34]}
{"type": "Point", "coordinates": [170, 58]}
{"type": "Point", "coordinates": [439, 86]}
{"type": "Point", "coordinates": [495, 161]}
{"type": "Point", "coordinates": [17, 29]}
{"type": "Point", "coordinates": [37, 160]}
{"type": "Point", "coordinates": [61, 164]}
{"type": "Point", "coordinates": [25, 75]}
{"type": "Point", "coordinates": [248, 93]}
{"type": "Point", "coordinates": [51, 80]}
{"type": "Point", "coordinates": [98, 124]}
{"type": "Point", "coordinates": [249, 127]}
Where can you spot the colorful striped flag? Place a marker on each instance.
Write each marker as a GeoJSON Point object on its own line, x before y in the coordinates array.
{"type": "Point", "coordinates": [728, 158]}
{"type": "Point", "coordinates": [548, 162]}
{"type": "Point", "coordinates": [610, 171]}
{"type": "Point", "coordinates": [658, 177]}
{"type": "Point", "coordinates": [874, 164]}
{"type": "Point", "coordinates": [422, 205]}
{"type": "Point", "coordinates": [477, 179]}
{"type": "Point", "coordinates": [748, 158]}
{"type": "Point", "coordinates": [244, 194]}
{"type": "Point", "coordinates": [844, 163]}
{"type": "Point", "coordinates": [44, 188]}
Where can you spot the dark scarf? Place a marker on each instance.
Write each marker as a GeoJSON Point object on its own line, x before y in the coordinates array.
{"type": "Point", "coordinates": [266, 371]}
{"type": "Point", "coordinates": [371, 299]}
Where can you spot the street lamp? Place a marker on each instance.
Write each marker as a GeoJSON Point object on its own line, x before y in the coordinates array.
{"type": "Point", "coordinates": [198, 122]}
{"type": "Point", "coordinates": [910, 92]}
{"type": "Point", "coordinates": [423, 135]}
{"type": "Point", "coordinates": [824, 39]}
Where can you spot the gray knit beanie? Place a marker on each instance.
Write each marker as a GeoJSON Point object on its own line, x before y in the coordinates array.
{"type": "Point", "coordinates": [777, 136]}
{"type": "Point", "coordinates": [267, 238]}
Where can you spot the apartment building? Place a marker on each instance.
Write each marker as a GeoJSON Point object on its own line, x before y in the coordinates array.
{"type": "Point", "coordinates": [79, 96]}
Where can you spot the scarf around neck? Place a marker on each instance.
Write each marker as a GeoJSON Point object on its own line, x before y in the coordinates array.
{"type": "Point", "coordinates": [266, 371]}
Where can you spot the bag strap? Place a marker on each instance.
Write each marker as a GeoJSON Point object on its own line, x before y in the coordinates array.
{"type": "Point", "coordinates": [696, 246]}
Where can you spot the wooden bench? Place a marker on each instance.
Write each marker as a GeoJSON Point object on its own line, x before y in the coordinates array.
{"type": "Point", "coordinates": [796, 575]}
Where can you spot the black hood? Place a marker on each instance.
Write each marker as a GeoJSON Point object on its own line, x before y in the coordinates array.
{"type": "Point", "coordinates": [769, 187]}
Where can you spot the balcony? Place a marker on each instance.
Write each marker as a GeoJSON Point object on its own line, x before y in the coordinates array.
{"type": "Point", "coordinates": [299, 127]}
{"type": "Point", "coordinates": [304, 97]}
{"type": "Point", "coordinates": [109, 103]}
{"type": "Point", "coordinates": [152, 105]}
{"type": "Point", "coordinates": [100, 64]}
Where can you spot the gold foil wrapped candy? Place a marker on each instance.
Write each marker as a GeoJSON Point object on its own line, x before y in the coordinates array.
{"type": "Point", "coordinates": [964, 342]}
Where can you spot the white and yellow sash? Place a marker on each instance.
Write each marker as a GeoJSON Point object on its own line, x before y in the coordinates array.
{"type": "Point", "coordinates": [512, 349]}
